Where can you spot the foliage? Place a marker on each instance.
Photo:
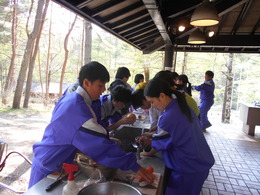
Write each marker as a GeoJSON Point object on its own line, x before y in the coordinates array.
{"type": "Point", "coordinates": [114, 53]}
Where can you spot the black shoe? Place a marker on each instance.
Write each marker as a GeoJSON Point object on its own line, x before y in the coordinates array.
{"type": "Point", "coordinates": [208, 126]}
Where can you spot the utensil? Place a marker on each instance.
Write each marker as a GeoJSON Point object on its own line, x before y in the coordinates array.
{"type": "Point", "coordinates": [56, 183]}
{"type": "Point", "coordinates": [139, 148]}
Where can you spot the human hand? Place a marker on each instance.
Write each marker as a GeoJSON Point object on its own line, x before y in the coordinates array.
{"type": "Point", "coordinates": [147, 134]}
{"type": "Point", "coordinates": [152, 129]}
{"type": "Point", "coordinates": [144, 140]}
{"type": "Point", "coordinates": [128, 120]}
{"type": "Point", "coordinates": [146, 175]}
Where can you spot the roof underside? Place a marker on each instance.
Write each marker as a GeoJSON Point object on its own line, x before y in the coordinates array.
{"type": "Point", "coordinates": [151, 24]}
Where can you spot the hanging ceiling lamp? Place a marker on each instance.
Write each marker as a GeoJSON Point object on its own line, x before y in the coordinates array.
{"type": "Point", "coordinates": [205, 15]}
{"type": "Point", "coordinates": [197, 37]}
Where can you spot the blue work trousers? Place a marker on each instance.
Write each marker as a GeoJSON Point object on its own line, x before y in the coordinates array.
{"type": "Point", "coordinates": [185, 184]}
{"type": "Point", "coordinates": [205, 106]}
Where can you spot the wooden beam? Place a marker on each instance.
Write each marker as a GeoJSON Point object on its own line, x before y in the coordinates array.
{"type": "Point", "coordinates": [156, 16]}
{"type": "Point", "coordinates": [241, 17]}
{"type": "Point", "coordinates": [157, 45]}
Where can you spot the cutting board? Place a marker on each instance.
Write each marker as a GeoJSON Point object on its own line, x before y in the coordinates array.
{"type": "Point", "coordinates": [146, 190]}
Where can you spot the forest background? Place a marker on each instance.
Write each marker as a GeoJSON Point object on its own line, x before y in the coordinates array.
{"type": "Point", "coordinates": [60, 54]}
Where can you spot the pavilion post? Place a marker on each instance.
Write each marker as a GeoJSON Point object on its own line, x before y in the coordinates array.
{"type": "Point", "coordinates": [168, 57]}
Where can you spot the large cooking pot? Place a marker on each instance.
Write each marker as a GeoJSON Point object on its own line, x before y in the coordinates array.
{"type": "Point", "coordinates": [109, 188]}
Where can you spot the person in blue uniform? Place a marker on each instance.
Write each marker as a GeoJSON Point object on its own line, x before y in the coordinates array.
{"type": "Point", "coordinates": [111, 107]}
{"type": "Point", "coordinates": [167, 77]}
{"type": "Point", "coordinates": [206, 98]}
{"type": "Point", "coordinates": [183, 81]}
{"type": "Point", "coordinates": [121, 78]}
{"type": "Point", "coordinates": [139, 101]}
{"type": "Point", "coordinates": [72, 87]}
{"type": "Point", "coordinates": [179, 137]}
{"type": "Point", "coordinates": [74, 127]}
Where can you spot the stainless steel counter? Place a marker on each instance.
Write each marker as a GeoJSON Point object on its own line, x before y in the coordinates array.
{"type": "Point", "coordinates": [156, 162]}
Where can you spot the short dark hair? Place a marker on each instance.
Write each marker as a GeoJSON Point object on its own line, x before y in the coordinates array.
{"type": "Point", "coordinates": [115, 83]}
{"type": "Point", "coordinates": [122, 72]}
{"type": "Point", "coordinates": [209, 73]}
{"type": "Point", "coordinates": [138, 77]}
{"type": "Point", "coordinates": [93, 71]}
{"type": "Point", "coordinates": [122, 94]}
{"type": "Point", "coordinates": [137, 98]}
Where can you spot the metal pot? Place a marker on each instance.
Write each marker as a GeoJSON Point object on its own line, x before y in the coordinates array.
{"type": "Point", "coordinates": [109, 188]}
{"type": "Point", "coordinates": [87, 165]}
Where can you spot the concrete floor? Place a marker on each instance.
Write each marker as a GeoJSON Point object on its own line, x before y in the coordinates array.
{"type": "Point", "coordinates": [237, 155]}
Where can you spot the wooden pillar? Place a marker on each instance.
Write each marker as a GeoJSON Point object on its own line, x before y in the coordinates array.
{"type": "Point", "coordinates": [168, 57]}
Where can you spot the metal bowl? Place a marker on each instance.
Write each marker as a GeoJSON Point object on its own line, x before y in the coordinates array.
{"type": "Point", "coordinates": [87, 165]}
{"type": "Point", "coordinates": [109, 188]}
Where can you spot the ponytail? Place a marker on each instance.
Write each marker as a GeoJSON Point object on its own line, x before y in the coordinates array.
{"type": "Point", "coordinates": [183, 104]}
{"type": "Point", "coordinates": [189, 89]}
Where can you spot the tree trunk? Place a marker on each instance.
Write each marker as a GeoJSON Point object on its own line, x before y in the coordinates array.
{"type": "Point", "coordinates": [226, 111]}
{"type": "Point", "coordinates": [66, 55]}
{"type": "Point", "coordinates": [27, 54]}
{"type": "Point", "coordinates": [10, 77]}
{"type": "Point", "coordinates": [34, 55]}
{"type": "Point", "coordinates": [184, 65]}
{"type": "Point", "coordinates": [40, 69]}
{"type": "Point", "coordinates": [47, 74]}
{"type": "Point", "coordinates": [88, 41]}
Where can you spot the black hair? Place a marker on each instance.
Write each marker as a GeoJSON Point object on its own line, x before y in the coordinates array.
{"type": "Point", "coordinates": [122, 94]}
{"type": "Point", "coordinates": [137, 98]}
{"type": "Point", "coordinates": [157, 86]}
{"type": "Point", "coordinates": [209, 73]}
{"type": "Point", "coordinates": [138, 77]}
{"type": "Point", "coordinates": [185, 80]}
{"type": "Point", "coordinates": [122, 72]}
{"type": "Point", "coordinates": [93, 71]}
{"type": "Point", "coordinates": [116, 83]}
{"type": "Point", "coordinates": [174, 75]}
{"type": "Point", "coordinates": [166, 76]}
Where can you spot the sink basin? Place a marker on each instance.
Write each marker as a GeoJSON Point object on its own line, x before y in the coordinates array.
{"type": "Point", "coordinates": [127, 135]}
